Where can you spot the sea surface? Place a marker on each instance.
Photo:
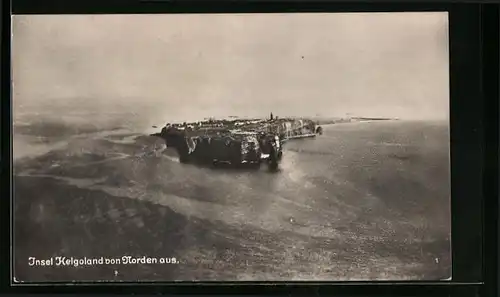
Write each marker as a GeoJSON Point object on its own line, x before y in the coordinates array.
{"type": "Point", "coordinates": [363, 201]}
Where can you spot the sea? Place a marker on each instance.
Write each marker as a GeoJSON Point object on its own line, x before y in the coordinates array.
{"type": "Point", "coordinates": [364, 201]}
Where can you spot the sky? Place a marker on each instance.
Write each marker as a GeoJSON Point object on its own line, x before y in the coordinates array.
{"type": "Point", "coordinates": [189, 66]}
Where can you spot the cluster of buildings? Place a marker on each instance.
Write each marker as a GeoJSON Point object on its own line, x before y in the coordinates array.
{"type": "Point", "coordinates": [285, 127]}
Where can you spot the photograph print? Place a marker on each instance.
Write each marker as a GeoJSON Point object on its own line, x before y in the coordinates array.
{"type": "Point", "coordinates": [231, 147]}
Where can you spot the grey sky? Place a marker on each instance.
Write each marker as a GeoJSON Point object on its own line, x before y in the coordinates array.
{"type": "Point", "coordinates": [172, 66]}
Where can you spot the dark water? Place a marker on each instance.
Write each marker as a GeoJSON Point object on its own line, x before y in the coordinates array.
{"type": "Point", "coordinates": [364, 201]}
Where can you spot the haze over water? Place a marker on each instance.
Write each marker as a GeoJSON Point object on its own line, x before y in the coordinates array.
{"type": "Point", "coordinates": [156, 68]}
